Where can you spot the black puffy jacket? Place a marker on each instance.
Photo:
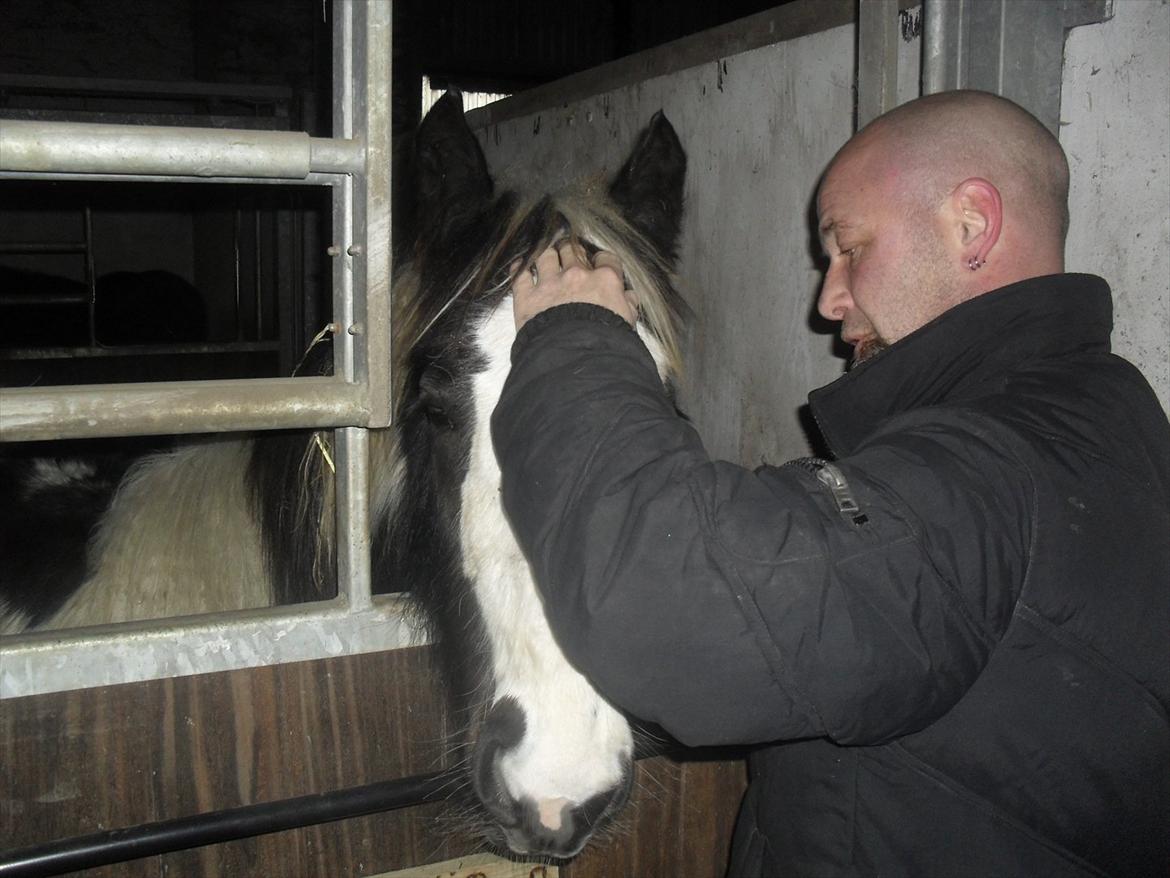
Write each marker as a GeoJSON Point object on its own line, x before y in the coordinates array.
{"type": "Point", "coordinates": [960, 631]}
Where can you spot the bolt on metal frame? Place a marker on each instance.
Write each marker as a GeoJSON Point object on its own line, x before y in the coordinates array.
{"type": "Point", "coordinates": [355, 163]}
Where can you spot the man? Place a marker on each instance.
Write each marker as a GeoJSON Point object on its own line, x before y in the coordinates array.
{"type": "Point", "coordinates": [952, 641]}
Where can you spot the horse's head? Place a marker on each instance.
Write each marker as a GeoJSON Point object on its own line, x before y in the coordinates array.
{"type": "Point", "coordinates": [551, 760]}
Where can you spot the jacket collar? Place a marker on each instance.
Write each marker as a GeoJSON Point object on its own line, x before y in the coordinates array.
{"type": "Point", "coordinates": [957, 354]}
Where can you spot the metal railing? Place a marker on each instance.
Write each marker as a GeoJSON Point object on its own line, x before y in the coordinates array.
{"type": "Point", "coordinates": [355, 164]}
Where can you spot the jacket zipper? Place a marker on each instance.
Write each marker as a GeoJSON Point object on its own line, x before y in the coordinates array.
{"type": "Point", "coordinates": [831, 477]}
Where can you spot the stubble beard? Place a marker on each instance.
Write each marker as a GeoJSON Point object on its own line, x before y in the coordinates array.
{"type": "Point", "coordinates": [867, 349]}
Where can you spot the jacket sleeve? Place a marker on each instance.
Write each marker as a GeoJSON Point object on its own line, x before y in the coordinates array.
{"type": "Point", "coordinates": [733, 606]}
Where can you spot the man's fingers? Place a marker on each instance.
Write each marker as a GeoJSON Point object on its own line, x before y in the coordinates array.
{"type": "Point", "coordinates": [548, 264]}
{"type": "Point", "coordinates": [599, 281]}
{"type": "Point", "coordinates": [571, 254]}
{"type": "Point", "coordinates": [605, 259]}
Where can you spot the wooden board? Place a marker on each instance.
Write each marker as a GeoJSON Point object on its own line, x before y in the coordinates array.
{"type": "Point", "coordinates": [476, 866]}
{"type": "Point", "coordinates": [79, 762]}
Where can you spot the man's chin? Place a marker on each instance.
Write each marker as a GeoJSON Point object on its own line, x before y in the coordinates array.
{"type": "Point", "coordinates": [867, 349]}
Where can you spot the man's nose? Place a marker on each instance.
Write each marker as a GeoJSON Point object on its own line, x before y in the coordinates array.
{"type": "Point", "coordinates": [835, 298]}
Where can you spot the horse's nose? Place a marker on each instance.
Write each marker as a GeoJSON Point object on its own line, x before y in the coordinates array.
{"type": "Point", "coordinates": [559, 827]}
{"type": "Point", "coordinates": [554, 827]}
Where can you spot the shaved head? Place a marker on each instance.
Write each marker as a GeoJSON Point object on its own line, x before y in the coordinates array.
{"type": "Point", "coordinates": [932, 144]}
{"type": "Point", "coordinates": [943, 199]}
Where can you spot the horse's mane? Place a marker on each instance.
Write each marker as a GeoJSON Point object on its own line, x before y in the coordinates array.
{"type": "Point", "coordinates": [430, 315]}
{"type": "Point", "coordinates": [583, 213]}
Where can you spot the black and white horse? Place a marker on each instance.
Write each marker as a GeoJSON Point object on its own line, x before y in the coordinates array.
{"type": "Point", "coordinates": [251, 519]}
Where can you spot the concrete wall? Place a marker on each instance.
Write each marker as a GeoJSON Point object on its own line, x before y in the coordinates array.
{"type": "Point", "coordinates": [759, 128]}
{"type": "Point", "coordinates": [1115, 120]}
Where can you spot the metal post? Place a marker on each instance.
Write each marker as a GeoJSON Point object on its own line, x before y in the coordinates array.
{"type": "Point", "coordinates": [361, 271]}
{"type": "Point", "coordinates": [1013, 48]}
{"type": "Point", "coordinates": [352, 491]}
{"type": "Point", "coordinates": [945, 27]}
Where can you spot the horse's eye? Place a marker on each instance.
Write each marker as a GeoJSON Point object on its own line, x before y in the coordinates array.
{"type": "Point", "coordinates": [437, 397]}
{"type": "Point", "coordinates": [438, 418]}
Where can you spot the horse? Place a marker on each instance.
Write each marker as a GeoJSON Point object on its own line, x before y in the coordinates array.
{"type": "Point", "coordinates": [551, 761]}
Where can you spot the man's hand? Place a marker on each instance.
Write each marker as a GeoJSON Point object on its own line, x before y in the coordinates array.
{"type": "Point", "coordinates": [562, 274]}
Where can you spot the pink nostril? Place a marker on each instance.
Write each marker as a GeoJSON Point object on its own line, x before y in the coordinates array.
{"type": "Point", "coordinates": [551, 812]}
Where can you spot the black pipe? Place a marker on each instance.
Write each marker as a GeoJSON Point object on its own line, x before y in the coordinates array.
{"type": "Point", "coordinates": [165, 836]}
{"type": "Point", "coordinates": [215, 827]}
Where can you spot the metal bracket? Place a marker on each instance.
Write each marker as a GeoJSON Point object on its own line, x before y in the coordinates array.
{"type": "Point", "coordinates": [1014, 48]}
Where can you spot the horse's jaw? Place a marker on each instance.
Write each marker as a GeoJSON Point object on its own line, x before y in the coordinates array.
{"type": "Point", "coordinates": [553, 758]}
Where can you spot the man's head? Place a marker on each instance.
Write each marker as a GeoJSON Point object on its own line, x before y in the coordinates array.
{"type": "Point", "coordinates": [934, 203]}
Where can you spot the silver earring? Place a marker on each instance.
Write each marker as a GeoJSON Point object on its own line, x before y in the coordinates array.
{"type": "Point", "coordinates": [975, 263]}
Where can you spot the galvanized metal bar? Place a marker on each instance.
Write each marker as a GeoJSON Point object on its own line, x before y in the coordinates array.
{"type": "Point", "coordinates": [344, 109]}
{"type": "Point", "coordinates": [361, 112]}
{"type": "Point", "coordinates": [57, 661]}
{"type": "Point", "coordinates": [160, 408]}
{"type": "Point", "coordinates": [877, 59]}
{"type": "Point", "coordinates": [335, 155]}
{"type": "Point", "coordinates": [351, 452]}
{"type": "Point", "coordinates": [374, 339]}
{"type": "Point", "coordinates": [313, 179]}
{"type": "Point", "coordinates": [946, 24]}
{"type": "Point", "coordinates": [127, 150]}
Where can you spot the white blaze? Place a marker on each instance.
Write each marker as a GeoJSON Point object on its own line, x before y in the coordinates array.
{"type": "Point", "coordinates": [575, 744]}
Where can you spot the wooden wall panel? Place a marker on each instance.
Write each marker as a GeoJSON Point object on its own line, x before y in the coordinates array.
{"type": "Point", "coordinates": [83, 761]}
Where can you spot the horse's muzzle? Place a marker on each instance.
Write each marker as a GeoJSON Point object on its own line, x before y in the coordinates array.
{"type": "Point", "coordinates": [553, 827]}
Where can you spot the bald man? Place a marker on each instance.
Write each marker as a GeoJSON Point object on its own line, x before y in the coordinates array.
{"type": "Point", "coordinates": [948, 645]}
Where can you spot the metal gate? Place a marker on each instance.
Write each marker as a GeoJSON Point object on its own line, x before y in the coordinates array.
{"type": "Point", "coordinates": [355, 165]}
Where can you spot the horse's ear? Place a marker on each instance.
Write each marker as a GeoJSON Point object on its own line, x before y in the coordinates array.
{"type": "Point", "coordinates": [451, 176]}
{"type": "Point", "coordinates": [649, 187]}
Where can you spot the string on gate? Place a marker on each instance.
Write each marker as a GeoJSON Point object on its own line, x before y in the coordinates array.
{"type": "Point", "coordinates": [328, 329]}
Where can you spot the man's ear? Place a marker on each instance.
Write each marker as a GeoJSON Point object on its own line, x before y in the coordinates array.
{"type": "Point", "coordinates": [977, 215]}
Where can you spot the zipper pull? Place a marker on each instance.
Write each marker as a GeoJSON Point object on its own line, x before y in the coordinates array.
{"type": "Point", "coordinates": [833, 479]}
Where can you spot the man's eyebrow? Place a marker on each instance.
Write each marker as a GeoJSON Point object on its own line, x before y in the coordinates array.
{"type": "Point", "coordinates": [832, 225]}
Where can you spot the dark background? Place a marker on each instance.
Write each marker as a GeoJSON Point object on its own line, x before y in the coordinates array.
{"type": "Point", "coordinates": [482, 45]}
{"type": "Point", "coordinates": [249, 260]}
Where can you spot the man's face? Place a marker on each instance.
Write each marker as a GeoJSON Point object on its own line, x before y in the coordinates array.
{"type": "Point", "coordinates": [887, 259]}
